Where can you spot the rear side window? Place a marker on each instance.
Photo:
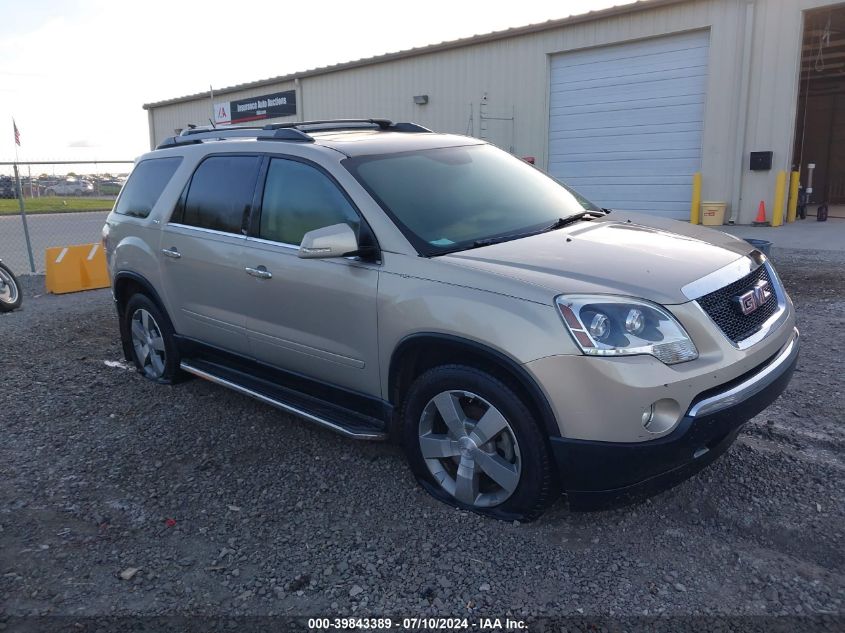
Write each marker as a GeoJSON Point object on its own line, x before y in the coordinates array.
{"type": "Point", "coordinates": [220, 193]}
{"type": "Point", "coordinates": [145, 184]}
{"type": "Point", "coordinates": [299, 198]}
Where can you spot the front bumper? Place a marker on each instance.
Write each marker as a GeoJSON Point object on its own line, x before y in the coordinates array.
{"type": "Point", "coordinates": [596, 475]}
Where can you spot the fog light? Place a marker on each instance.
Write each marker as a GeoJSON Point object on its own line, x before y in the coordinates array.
{"type": "Point", "coordinates": [648, 416]}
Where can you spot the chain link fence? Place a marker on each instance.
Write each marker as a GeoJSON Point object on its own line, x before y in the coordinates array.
{"type": "Point", "coordinates": [44, 204]}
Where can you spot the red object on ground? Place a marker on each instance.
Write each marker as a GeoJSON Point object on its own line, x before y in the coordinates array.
{"type": "Point", "coordinates": [528, 159]}
{"type": "Point", "coordinates": [761, 214]}
{"type": "Point", "coordinates": [170, 522]}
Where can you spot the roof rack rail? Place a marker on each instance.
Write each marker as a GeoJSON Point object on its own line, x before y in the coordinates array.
{"type": "Point", "coordinates": [199, 135]}
{"type": "Point", "coordinates": [332, 124]}
{"type": "Point", "coordinates": [292, 131]}
{"type": "Point", "coordinates": [324, 125]}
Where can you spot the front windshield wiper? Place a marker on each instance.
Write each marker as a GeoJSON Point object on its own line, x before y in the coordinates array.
{"type": "Point", "coordinates": [557, 224]}
{"type": "Point", "coordinates": [562, 222]}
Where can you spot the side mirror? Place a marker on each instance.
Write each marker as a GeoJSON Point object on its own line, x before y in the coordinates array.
{"type": "Point", "coordinates": [337, 240]}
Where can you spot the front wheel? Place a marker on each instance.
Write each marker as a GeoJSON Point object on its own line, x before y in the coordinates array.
{"type": "Point", "coordinates": [10, 290]}
{"type": "Point", "coordinates": [472, 443]}
{"type": "Point", "coordinates": [152, 339]}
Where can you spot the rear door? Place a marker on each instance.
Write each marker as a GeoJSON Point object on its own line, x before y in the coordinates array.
{"type": "Point", "coordinates": [315, 317]}
{"type": "Point", "coordinates": [202, 252]}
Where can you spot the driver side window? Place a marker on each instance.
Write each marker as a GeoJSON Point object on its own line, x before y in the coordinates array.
{"type": "Point", "coordinates": [299, 198]}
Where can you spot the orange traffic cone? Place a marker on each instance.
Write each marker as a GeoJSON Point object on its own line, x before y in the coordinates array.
{"type": "Point", "coordinates": [761, 215]}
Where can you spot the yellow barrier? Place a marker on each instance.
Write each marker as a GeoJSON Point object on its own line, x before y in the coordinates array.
{"type": "Point", "coordinates": [75, 268]}
{"type": "Point", "coordinates": [792, 205]}
{"type": "Point", "coordinates": [780, 193]}
{"type": "Point", "coordinates": [695, 205]}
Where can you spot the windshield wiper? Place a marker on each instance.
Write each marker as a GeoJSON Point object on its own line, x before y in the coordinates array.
{"type": "Point", "coordinates": [562, 222]}
{"type": "Point", "coordinates": [489, 241]}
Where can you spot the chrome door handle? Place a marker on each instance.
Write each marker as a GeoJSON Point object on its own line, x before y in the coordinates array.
{"type": "Point", "coordinates": [171, 252]}
{"type": "Point", "coordinates": [261, 272]}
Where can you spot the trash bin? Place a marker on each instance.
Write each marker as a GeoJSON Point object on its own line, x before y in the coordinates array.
{"type": "Point", "coordinates": [713, 213]}
{"type": "Point", "coordinates": [761, 245]}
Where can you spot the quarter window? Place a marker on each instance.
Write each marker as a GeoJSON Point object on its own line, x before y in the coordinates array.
{"type": "Point", "coordinates": [220, 193]}
{"type": "Point", "coordinates": [145, 184]}
{"type": "Point", "coordinates": [299, 198]}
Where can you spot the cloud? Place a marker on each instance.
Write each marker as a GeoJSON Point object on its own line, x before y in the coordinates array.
{"type": "Point", "coordinates": [83, 143]}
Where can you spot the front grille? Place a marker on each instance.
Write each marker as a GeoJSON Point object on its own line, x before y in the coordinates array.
{"type": "Point", "coordinates": [723, 309]}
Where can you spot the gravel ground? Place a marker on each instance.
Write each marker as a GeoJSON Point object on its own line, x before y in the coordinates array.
{"type": "Point", "coordinates": [122, 497]}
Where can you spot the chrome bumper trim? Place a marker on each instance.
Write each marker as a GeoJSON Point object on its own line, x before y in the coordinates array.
{"type": "Point", "coordinates": [752, 385]}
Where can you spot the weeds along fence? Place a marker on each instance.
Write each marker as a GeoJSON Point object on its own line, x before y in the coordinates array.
{"type": "Point", "coordinates": [59, 203]}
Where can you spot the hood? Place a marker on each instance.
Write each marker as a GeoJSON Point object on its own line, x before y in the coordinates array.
{"type": "Point", "coordinates": [622, 253]}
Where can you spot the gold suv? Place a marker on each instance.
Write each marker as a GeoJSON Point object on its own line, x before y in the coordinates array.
{"type": "Point", "coordinates": [384, 281]}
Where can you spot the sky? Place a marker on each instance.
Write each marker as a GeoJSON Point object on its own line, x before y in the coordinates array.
{"type": "Point", "coordinates": [74, 74]}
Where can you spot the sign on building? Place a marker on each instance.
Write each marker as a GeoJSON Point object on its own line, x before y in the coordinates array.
{"type": "Point", "coordinates": [270, 106]}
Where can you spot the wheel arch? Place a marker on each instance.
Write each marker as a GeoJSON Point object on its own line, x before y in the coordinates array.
{"type": "Point", "coordinates": [420, 352]}
{"type": "Point", "coordinates": [124, 285]}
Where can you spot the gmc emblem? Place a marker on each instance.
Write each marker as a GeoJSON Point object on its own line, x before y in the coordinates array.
{"type": "Point", "coordinates": [754, 298]}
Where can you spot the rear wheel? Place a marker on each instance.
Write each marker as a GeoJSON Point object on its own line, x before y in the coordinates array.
{"type": "Point", "coordinates": [10, 290]}
{"type": "Point", "coordinates": [473, 443]}
{"type": "Point", "coordinates": [153, 344]}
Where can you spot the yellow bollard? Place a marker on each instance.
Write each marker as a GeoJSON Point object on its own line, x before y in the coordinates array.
{"type": "Point", "coordinates": [780, 192]}
{"type": "Point", "coordinates": [792, 206]}
{"type": "Point", "coordinates": [695, 205]}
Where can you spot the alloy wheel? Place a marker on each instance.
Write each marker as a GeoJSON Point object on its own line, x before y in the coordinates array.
{"type": "Point", "coordinates": [470, 448]}
{"type": "Point", "coordinates": [148, 344]}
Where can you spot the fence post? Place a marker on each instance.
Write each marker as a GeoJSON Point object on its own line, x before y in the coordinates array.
{"type": "Point", "coordinates": [23, 217]}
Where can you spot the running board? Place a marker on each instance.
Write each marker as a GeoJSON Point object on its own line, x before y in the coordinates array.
{"type": "Point", "coordinates": [354, 433]}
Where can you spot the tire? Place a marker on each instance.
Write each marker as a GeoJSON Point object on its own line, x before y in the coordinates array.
{"type": "Point", "coordinates": [455, 471]}
{"type": "Point", "coordinates": [151, 340]}
{"type": "Point", "coordinates": [10, 290]}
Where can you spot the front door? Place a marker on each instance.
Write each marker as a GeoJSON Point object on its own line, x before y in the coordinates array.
{"type": "Point", "coordinates": [315, 317]}
{"type": "Point", "coordinates": [202, 253]}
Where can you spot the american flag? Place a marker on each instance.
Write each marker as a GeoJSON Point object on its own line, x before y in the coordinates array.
{"type": "Point", "coordinates": [17, 133]}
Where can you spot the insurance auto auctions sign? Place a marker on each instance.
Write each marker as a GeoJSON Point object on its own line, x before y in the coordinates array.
{"type": "Point", "coordinates": [256, 108]}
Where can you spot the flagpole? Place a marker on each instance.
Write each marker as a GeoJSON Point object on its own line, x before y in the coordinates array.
{"type": "Point", "coordinates": [21, 204]}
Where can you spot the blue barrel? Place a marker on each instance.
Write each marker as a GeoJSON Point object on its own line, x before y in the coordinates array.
{"type": "Point", "coordinates": [761, 245]}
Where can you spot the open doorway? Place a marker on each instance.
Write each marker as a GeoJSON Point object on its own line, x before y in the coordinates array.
{"type": "Point", "coordinates": [820, 129]}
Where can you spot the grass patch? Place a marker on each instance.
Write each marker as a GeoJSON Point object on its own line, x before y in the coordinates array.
{"type": "Point", "coordinates": [55, 204]}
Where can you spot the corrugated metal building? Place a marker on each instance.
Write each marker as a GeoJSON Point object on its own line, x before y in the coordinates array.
{"type": "Point", "coordinates": [625, 104]}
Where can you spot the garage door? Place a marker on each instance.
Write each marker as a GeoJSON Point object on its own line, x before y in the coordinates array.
{"type": "Point", "coordinates": [625, 122]}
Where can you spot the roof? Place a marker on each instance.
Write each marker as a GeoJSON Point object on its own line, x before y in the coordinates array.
{"type": "Point", "coordinates": [548, 25]}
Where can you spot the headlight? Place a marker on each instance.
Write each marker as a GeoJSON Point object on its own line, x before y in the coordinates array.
{"type": "Point", "coordinates": [620, 326]}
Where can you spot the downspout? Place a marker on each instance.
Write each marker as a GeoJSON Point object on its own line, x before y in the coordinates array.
{"type": "Point", "coordinates": [152, 126]}
{"type": "Point", "coordinates": [742, 112]}
{"type": "Point", "coordinates": [300, 106]}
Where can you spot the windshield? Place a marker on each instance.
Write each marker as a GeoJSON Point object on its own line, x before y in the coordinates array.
{"type": "Point", "coordinates": [451, 198]}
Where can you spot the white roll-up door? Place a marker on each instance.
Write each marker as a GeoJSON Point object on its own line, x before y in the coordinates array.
{"type": "Point", "coordinates": [625, 122]}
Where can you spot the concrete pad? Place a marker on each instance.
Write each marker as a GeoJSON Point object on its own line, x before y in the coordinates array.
{"type": "Point", "coordinates": [805, 234]}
